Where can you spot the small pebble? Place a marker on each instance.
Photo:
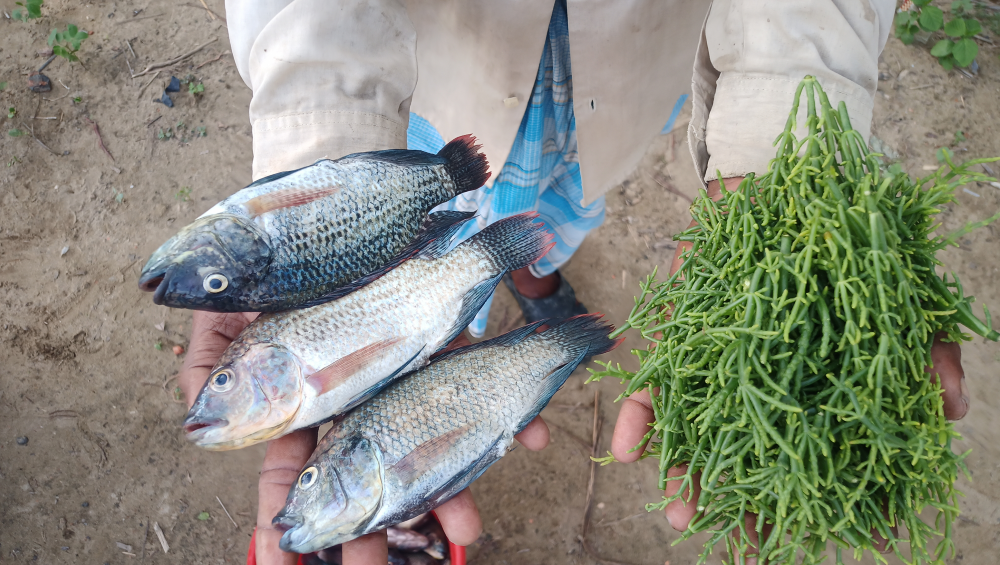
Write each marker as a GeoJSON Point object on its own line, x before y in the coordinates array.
{"type": "Point", "coordinates": [23, 440]}
{"type": "Point", "coordinates": [64, 251]}
{"type": "Point", "coordinates": [85, 505]}
{"type": "Point", "coordinates": [178, 349]}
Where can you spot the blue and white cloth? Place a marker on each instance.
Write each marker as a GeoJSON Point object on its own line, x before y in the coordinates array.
{"type": "Point", "coordinates": [542, 172]}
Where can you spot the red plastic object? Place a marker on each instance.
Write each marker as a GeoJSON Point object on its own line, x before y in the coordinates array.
{"type": "Point", "coordinates": [455, 552]}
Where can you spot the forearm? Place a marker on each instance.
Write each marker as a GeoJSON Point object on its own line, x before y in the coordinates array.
{"type": "Point", "coordinates": [328, 78]}
{"type": "Point", "coordinates": [753, 56]}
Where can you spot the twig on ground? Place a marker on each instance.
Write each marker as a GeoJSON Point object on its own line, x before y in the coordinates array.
{"type": "Point", "coordinates": [235, 525]}
{"type": "Point", "coordinates": [54, 99]}
{"type": "Point", "coordinates": [159, 534]}
{"type": "Point", "coordinates": [153, 121]}
{"type": "Point", "coordinates": [47, 148]}
{"type": "Point", "coordinates": [130, 49]}
{"type": "Point", "coordinates": [175, 60]}
{"type": "Point", "coordinates": [64, 414]}
{"type": "Point", "coordinates": [46, 63]}
{"type": "Point", "coordinates": [144, 538]}
{"type": "Point", "coordinates": [573, 436]}
{"type": "Point", "coordinates": [45, 118]}
{"type": "Point", "coordinates": [210, 12]}
{"type": "Point", "coordinates": [921, 87]}
{"type": "Point", "coordinates": [669, 187]}
{"type": "Point", "coordinates": [221, 55]}
{"type": "Point", "coordinates": [130, 20]}
{"type": "Point", "coordinates": [63, 85]}
{"type": "Point", "coordinates": [130, 71]}
{"type": "Point", "coordinates": [141, 90]}
{"type": "Point", "coordinates": [100, 141]}
{"type": "Point", "coordinates": [596, 434]}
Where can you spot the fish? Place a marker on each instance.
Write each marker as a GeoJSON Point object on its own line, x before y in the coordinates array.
{"type": "Point", "coordinates": [423, 439]}
{"type": "Point", "coordinates": [311, 235]}
{"type": "Point", "coordinates": [294, 369]}
{"type": "Point", "coordinates": [401, 538]}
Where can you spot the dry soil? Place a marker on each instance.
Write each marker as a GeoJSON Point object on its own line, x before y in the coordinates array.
{"type": "Point", "coordinates": [86, 361]}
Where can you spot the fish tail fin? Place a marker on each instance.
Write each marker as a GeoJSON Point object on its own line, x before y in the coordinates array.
{"type": "Point", "coordinates": [587, 334]}
{"type": "Point", "coordinates": [582, 337]}
{"type": "Point", "coordinates": [468, 168]}
{"type": "Point", "coordinates": [515, 242]}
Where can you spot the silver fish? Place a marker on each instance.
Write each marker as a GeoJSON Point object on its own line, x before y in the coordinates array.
{"type": "Point", "coordinates": [425, 438]}
{"type": "Point", "coordinates": [312, 235]}
{"type": "Point", "coordinates": [294, 369]}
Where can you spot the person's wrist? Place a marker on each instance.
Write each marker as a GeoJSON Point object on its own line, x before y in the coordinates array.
{"type": "Point", "coordinates": [715, 187]}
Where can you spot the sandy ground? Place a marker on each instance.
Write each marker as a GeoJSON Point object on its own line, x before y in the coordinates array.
{"type": "Point", "coordinates": [86, 361]}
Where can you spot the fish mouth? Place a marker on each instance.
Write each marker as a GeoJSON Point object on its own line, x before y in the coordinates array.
{"type": "Point", "coordinates": [295, 536]}
{"type": "Point", "coordinates": [156, 281]}
{"type": "Point", "coordinates": [197, 428]}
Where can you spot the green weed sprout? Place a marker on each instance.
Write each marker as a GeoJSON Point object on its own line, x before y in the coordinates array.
{"type": "Point", "coordinates": [33, 10]}
{"type": "Point", "coordinates": [67, 43]}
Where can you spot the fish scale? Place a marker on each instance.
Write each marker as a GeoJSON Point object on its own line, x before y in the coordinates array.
{"type": "Point", "coordinates": [427, 436]}
{"type": "Point", "coordinates": [304, 237]}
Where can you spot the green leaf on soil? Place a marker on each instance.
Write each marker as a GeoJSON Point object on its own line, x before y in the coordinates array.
{"type": "Point", "coordinates": [955, 27]}
{"type": "Point", "coordinates": [931, 18]}
{"type": "Point", "coordinates": [204, 516]}
{"type": "Point", "coordinates": [942, 48]}
{"type": "Point", "coordinates": [965, 51]}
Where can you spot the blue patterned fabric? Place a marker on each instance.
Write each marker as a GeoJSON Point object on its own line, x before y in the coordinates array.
{"type": "Point", "coordinates": [542, 172]}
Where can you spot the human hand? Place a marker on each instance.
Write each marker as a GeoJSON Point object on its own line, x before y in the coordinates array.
{"type": "Point", "coordinates": [211, 334]}
{"type": "Point", "coordinates": [636, 413]}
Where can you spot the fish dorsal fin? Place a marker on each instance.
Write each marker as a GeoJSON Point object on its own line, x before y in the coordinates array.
{"type": "Point", "coordinates": [512, 337]}
{"type": "Point", "coordinates": [334, 374]}
{"type": "Point", "coordinates": [287, 198]}
{"type": "Point", "coordinates": [427, 454]}
{"type": "Point", "coordinates": [276, 176]}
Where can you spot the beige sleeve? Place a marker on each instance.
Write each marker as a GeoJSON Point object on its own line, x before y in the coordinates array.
{"type": "Point", "coordinates": [752, 55]}
{"type": "Point", "coordinates": [329, 77]}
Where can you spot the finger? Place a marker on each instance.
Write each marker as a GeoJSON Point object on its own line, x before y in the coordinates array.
{"type": "Point", "coordinates": [283, 461]}
{"type": "Point", "coordinates": [460, 519]}
{"type": "Point", "coordinates": [947, 367]}
{"type": "Point", "coordinates": [534, 436]}
{"type": "Point", "coordinates": [751, 553]}
{"type": "Point", "coordinates": [370, 549]}
{"type": "Point", "coordinates": [681, 512]}
{"type": "Point", "coordinates": [211, 334]}
{"type": "Point", "coordinates": [631, 427]}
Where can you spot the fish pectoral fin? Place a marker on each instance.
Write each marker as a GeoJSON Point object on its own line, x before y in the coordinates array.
{"type": "Point", "coordinates": [427, 454]}
{"type": "Point", "coordinates": [334, 374]}
{"type": "Point", "coordinates": [287, 198]}
{"type": "Point", "coordinates": [472, 303]}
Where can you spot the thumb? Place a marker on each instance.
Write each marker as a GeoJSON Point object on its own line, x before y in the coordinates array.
{"type": "Point", "coordinates": [283, 462]}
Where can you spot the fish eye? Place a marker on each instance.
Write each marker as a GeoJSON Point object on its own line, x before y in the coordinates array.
{"type": "Point", "coordinates": [308, 477]}
{"type": "Point", "coordinates": [222, 381]}
{"type": "Point", "coordinates": [215, 283]}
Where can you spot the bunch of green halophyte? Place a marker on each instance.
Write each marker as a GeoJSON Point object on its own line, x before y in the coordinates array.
{"type": "Point", "coordinates": [790, 371]}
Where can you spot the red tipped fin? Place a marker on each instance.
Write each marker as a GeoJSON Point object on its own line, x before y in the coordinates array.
{"type": "Point", "coordinates": [425, 455]}
{"type": "Point", "coordinates": [334, 374]}
{"type": "Point", "coordinates": [287, 198]}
